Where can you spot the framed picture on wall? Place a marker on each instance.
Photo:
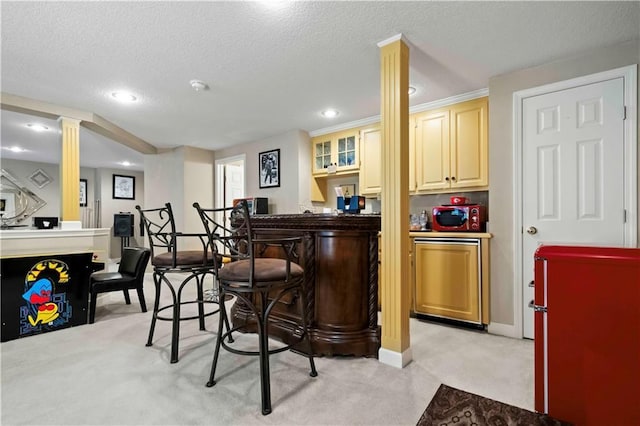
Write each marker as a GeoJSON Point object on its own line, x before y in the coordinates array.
{"type": "Point", "coordinates": [83, 193]}
{"type": "Point", "coordinates": [124, 187]}
{"type": "Point", "coordinates": [348, 190]}
{"type": "Point", "coordinates": [269, 168]}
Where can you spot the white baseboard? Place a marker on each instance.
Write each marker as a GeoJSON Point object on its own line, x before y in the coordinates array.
{"type": "Point", "coordinates": [395, 359]}
{"type": "Point", "coordinates": [507, 330]}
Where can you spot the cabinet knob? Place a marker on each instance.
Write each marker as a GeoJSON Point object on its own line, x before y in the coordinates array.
{"type": "Point", "coordinates": [447, 178]}
{"type": "Point", "coordinates": [453, 178]}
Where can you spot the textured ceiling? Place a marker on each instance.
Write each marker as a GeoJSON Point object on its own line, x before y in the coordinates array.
{"type": "Point", "coordinates": [273, 66]}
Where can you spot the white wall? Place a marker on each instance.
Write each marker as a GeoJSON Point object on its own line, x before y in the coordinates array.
{"type": "Point", "coordinates": [501, 174]}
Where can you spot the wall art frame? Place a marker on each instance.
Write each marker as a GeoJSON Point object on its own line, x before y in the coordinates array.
{"type": "Point", "coordinates": [124, 187]}
{"type": "Point", "coordinates": [83, 193]}
{"type": "Point", "coordinates": [269, 168]}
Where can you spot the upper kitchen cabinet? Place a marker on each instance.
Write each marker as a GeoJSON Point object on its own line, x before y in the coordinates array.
{"type": "Point", "coordinates": [370, 162]}
{"type": "Point", "coordinates": [336, 149]}
{"type": "Point", "coordinates": [451, 146]}
{"type": "Point", "coordinates": [334, 154]}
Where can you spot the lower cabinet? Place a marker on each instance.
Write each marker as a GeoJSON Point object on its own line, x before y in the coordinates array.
{"type": "Point", "coordinates": [449, 279]}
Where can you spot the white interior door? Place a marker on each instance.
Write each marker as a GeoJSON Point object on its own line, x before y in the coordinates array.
{"type": "Point", "coordinates": [573, 173]}
{"type": "Point", "coordinates": [229, 180]}
{"type": "Point", "coordinates": [234, 185]}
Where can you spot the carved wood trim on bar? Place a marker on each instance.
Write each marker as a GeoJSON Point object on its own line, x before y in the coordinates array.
{"type": "Point", "coordinates": [337, 325]}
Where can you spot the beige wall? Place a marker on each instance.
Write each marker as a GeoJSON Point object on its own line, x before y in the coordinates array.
{"type": "Point", "coordinates": [99, 187]}
{"type": "Point", "coordinates": [198, 185]}
{"type": "Point", "coordinates": [181, 177]}
{"type": "Point", "coordinates": [295, 169]}
{"type": "Point", "coordinates": [109, 206]}
{"type": "Point", "coordinates": [501, 173]}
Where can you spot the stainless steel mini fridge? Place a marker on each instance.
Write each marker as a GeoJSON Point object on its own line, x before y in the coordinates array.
{"type": "Point", "coordinates": [587, 334]}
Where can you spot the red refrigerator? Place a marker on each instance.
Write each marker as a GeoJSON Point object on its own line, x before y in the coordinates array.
{"type": "Point", "coordinates": [587, 334]}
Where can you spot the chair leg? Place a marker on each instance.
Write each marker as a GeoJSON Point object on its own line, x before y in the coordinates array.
{"type": "Point", "coordinates": [126, 296]}
{"type": "Point", "coordinates": [221, 302]}
{"type": "Point", "coordinates": [263, 338]}
{"type": "Point", "coordinates": [199, 284]}
{"type": "Point", "coordinates": [156, 305]}
{"type": "Point", "coordinates": [92, 307]}
{"type": "Point", "coordinates": [305, 330]}
{"type": "Point", "coordinates": [175, 329]}
{"type": "Point", "coordinates": [223, 319]}
{"type": "Point", "coordinates": [143, 303]}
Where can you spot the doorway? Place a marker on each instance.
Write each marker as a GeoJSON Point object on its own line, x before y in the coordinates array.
{"type": "Point", "coordinates": [576, 171]}
{"type": "Point", "coordinates": [230, 185]}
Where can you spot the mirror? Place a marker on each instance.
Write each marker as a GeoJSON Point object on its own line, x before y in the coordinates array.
{"type": "Point", "coordinates": [17, 202]}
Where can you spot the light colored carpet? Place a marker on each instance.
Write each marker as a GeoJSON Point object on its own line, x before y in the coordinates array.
{"type": "Point", "coordinates": [102, 374]}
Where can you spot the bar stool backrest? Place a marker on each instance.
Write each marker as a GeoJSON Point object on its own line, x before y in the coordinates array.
{"type": "Point", "coordinates": [161, 229]}
{"type": "Point", "coordinates": [229, 231]}
{"type": "Point", "coordinates": [163, 239]}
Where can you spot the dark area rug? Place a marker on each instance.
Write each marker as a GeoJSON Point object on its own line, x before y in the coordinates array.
{"type": "Point", "coordinates": [451, 406]}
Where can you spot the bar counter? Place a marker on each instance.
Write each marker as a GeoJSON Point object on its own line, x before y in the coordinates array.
{"type": "Point", "coordinates": [339, 254]}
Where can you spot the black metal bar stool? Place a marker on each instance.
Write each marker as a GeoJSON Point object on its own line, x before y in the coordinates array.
{"type": "Point", "coordinates": [166, 257]}
{"type": "Point", "coordinates": [260, 282]}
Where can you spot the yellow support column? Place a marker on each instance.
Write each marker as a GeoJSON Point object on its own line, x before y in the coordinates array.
{"type": "Point", "coordinates": [70, 174]}
{"type": "Point", "coordinates": [395, 266]}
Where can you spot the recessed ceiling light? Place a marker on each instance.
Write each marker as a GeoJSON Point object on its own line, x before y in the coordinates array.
{"type": "Point", "coordinates": [198, 85]}
{"type": "Point", "coordinates": [329, 113]}
{"type": "Point", "coordinates": [125, 163]}
{"type": "Point", "coordinates": [412, 90]}
{"type": "Point", "coordinates": [37, 127]}
{"type": "Point", "coordinates": [16, 149]}
{"type": "Point", "coordinates": [124, 96]}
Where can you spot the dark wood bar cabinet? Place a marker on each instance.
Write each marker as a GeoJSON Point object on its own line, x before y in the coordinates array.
{"type": "Point", "coordinates": [339, 254]}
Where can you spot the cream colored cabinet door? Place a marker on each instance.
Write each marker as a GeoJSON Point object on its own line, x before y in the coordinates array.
{"type": "Point", "coordinates": [469, 144]}
{"type": "Point", "coordinates": [370, 178]}
{"type": "Point", "coordinates": [451, 147]}
{"type": "Point", "coordinates": [432, 150]}
{"type": "Point", "coordinates": [412, 154]}
{"type": "Point", "coordinates": [447, 280]}
{"type": "Point", "coordinates": [371, 160]}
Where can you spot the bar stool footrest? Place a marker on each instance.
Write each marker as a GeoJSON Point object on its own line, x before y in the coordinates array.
{"type": "Point", "coordinates": [186, 318]}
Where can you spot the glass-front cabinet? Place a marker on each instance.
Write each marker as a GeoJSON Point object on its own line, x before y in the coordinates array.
{"type": "Point", "coordinates": [346, 151]}
{"type": "Point", "coordinates": [321, 155]}
{"type": "Point", "coordinates": [336, 149]}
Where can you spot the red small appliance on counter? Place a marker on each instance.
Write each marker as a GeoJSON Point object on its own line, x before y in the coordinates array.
{"type": "Point", "coordinates": [459, 217]}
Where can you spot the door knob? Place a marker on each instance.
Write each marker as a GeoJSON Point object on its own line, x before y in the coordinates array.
{"type": "Point", "coordinates": [532, 230]}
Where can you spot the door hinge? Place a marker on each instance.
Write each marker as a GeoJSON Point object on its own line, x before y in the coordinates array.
{"type": "Point", "coordinates": [624, 112]}
{"type": "Point", "coordinates": [624, 216]}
